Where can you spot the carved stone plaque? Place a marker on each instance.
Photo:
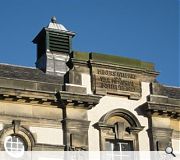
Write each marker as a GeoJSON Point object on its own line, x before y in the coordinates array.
{"type": "Point", "coordinates": [109, 81]}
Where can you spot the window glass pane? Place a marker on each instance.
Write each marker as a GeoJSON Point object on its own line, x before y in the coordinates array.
{"type": "Point", "coordinates": [10, 140]}
{"type": "Point", "coordinates": [118, 145]}
{"type": "Point", "coordinates": [20, 145]}
{"type": "Point", "coordinates": [109, 146]}
{"type": "Point", "coordinates": [14, 139]}
{"type": "Point", "coordinates": [14, 145]}
{"type": "Point", "coordinates": [125, 146]}
{"type": "Point", "coordinates": [8, 145]}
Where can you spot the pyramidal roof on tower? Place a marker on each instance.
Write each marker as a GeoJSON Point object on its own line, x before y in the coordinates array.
{"type": "Point", "coordinates": [54, 25]}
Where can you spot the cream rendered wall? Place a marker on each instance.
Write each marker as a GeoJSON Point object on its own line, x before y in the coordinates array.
{"type": "Point", "coordinates": [51, 136]}
{"type": "Point", "coordinates": [176, 144]}
{"type": "Point", "coordinates": [86, 81]}
{"type": "Point", "coordinates": [108, 103]}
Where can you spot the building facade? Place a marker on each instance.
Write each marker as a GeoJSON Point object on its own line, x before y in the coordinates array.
{"type": "Point", "coordinates": [85, 101]}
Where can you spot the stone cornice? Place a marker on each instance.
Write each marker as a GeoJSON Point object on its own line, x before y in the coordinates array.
{"type": "Point", "coordinates": [164, 107]}
{"type": "Point", "coordinates": [80, 97]}
{"type": "Point", "coordinates": [49, 98]}
{"type": "Point", "coordinates": [100, 125]}
{"type": "Point", "coordinates": [161, 109]}
{"type": "Point", "coordinates": [27, 96]}
{"type": "Point", "coordinates": [79, 62]}
{"type": "Point", "coordinates": [164, 100]}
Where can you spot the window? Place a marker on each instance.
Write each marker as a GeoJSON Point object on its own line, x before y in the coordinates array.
{"type": "Point", "coordinates": [14, 146]}
{"type": "Point", "coordinates": [118, 145]}
{"type": "Point", "coordinates": [117, 149]}
{"type": "Point", "coordinates": [119, 130]}
{"type": "Point", "coordinates": [16, 139]}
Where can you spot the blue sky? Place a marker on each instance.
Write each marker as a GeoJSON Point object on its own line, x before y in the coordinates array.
{"type": "Point", "coordinates": [143, 29]}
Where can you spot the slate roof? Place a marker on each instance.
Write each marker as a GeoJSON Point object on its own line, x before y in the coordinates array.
{"type": "Point", "coordinates": [28, 73]}
{"type": "Point", "coordinates": [169, 91]}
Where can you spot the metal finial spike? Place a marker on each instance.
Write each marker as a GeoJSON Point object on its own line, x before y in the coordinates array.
{"type": "Point", "coordinates": [53, 19]}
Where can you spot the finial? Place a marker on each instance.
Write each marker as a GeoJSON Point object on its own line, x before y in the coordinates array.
{"type": "Point", "coordinates": [53, 19]}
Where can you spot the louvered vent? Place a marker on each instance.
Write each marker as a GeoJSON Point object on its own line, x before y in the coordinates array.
{"type": "Point", "coordinates": [59, 42]}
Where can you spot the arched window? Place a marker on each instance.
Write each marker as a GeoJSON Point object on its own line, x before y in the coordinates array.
{"type": "Point", "coordinates": [118, 131]}
{"type": "Point", "coordinates": [15, 146]}
{"type": "Point", "coordinates": [14, 143]}
{"type": "Point", "coordinates": [15, 138]}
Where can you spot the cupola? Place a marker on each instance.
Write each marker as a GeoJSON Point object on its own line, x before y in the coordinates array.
{"type": "Point", "coordinates": [53, 48]}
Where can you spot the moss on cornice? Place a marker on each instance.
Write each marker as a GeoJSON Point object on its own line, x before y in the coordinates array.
{"type": "Point", "coordinates": [114, 60]}
{"type": "Point", "coordinates": [83, 56]}
{"type": "Point", "coordinates": [118, 60]}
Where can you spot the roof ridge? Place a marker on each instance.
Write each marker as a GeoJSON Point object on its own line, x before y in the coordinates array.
{"type": "Point", "coordinates": [15, 65]}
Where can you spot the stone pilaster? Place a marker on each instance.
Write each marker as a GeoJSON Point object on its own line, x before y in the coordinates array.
{"type": "Point", "coordinates": [160, 138]}
{"type": "Point", "coordinates": [76, 134]}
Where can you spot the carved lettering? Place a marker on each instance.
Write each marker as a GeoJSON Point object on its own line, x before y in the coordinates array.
{"type": "Point", "coordinates": [116, 80]}
{"type": "Point", "coordinates": [116, 74]}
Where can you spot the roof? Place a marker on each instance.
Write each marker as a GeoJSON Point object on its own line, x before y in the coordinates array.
{"type": "Point", "coordinates": [163, 90]}
{"type": "Point", "coordinates": [54, 25]}
{"type": "Point", "coordinates": [28, 73]}
{"type": "Point", "coordinates": [57, 26]}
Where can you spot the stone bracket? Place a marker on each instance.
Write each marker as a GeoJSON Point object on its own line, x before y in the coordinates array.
{"type": "Point", "coordinates": [16, 125]}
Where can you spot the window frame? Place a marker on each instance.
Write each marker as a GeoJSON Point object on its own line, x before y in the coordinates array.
{"type": "Point", "coordinates": [109, 130]}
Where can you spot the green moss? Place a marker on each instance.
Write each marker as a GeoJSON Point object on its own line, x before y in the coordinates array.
{"type": "Point", "coordinates": [112, 59]}
{"type": "Point", "coordinates": [148, 66]}
{"type": "Point", "coordinates": [83, 56]}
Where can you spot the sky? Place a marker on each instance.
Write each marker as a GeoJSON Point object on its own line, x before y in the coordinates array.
{"type": "Point", "coordinates": [147, 30]}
